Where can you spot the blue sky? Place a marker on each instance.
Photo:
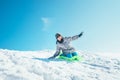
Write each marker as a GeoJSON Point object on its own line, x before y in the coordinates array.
{"type": "Point", "coordinates": [32, 24]}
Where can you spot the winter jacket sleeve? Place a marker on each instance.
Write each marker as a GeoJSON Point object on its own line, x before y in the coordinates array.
{"type": "Point", "coordinates": [73, 38]}
{"type": "Point", "coordinates": [57, 51]}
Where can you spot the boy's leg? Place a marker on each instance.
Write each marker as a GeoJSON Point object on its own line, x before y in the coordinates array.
{"type": "Point", "coordinates": [69, 55]}
{"type": "Point", "coordinates": [62, 54]}
{"type": "Point", "coordinates": [74, 54]}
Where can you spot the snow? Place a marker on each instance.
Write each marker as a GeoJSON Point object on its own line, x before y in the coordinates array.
{"type": "Point", "coordinates": [111, 55]}
{"type": "Point", "coordinates": [34, 65]}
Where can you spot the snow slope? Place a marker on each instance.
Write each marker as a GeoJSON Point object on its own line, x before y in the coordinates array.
{"type": "Point", "coordinates": [33, 65]}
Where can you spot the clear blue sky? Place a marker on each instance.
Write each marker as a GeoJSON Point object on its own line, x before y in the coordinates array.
{"type": "Point", "coordinates": [32, 24]}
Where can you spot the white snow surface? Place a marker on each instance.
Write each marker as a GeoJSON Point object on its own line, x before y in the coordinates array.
{"type": "Point", "coordinates": [34, 65]}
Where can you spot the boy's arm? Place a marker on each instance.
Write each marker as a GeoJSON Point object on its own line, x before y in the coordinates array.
{"type": "Point", "coordinates": [56, 53]}
{"type": "Point", "coordinates": [75, 37]}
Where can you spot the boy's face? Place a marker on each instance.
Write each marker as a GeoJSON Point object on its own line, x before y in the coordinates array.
{"type": "Point", "coordinates": [59, 38]}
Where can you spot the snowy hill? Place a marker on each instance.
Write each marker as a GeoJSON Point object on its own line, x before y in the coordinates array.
{"type": "Point", "coordinates": [33, 65]}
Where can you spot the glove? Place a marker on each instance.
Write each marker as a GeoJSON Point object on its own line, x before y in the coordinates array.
{"type": "Point", "coordinates": [80, 34]}
{"type": "Point", "coordinates": [51, 57]}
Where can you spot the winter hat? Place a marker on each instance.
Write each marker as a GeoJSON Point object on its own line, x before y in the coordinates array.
{"type": "Point", "coordinates": [57, 35]}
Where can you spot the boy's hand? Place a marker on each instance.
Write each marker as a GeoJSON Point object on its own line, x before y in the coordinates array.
{"type": "Point", "coordinates": [80, 34]}
{"type": "Point", "coordinates": [51, 57]}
